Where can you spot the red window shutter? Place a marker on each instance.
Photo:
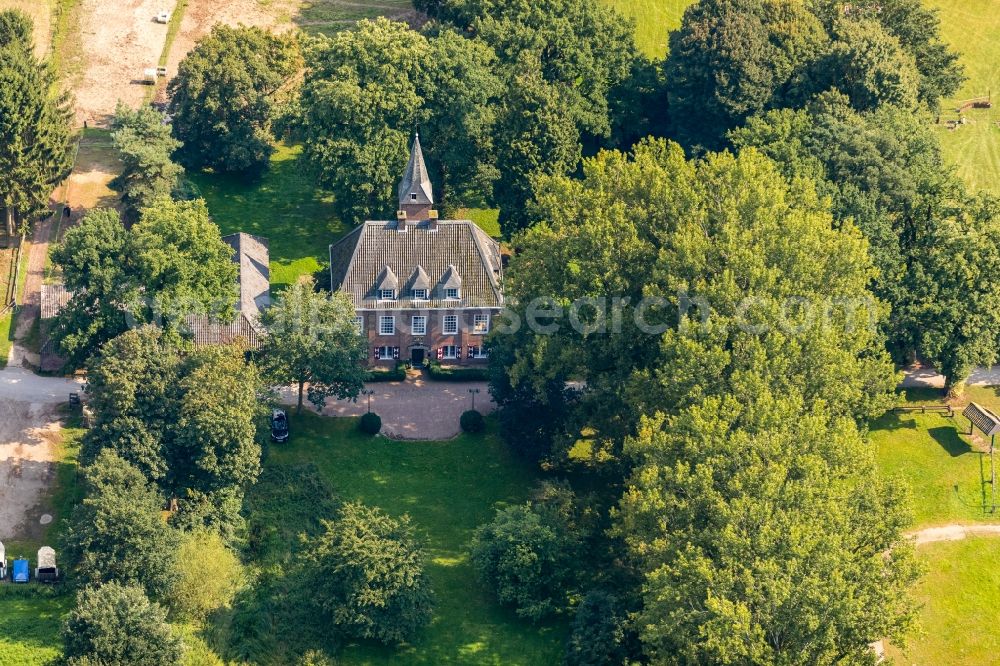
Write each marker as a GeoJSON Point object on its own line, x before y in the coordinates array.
{"type": "Point", "coordinates": [375, 353]}
{"type": "Point", "coordinates": [458, 351]}
{"type": "Point", "coordinates": [440, 353]}
{"type": "Point", "coordinates": [472, 352]}
{"type": "Point", "coordinates": [395, 352]}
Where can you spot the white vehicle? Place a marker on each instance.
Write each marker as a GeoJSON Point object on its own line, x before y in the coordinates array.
{"type": "Point", "coordinates": [163, 17]}
{"type": "Point", "coordinates": [149, 75]}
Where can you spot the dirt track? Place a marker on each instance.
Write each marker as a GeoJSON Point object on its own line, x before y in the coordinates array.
{"type": "Point", "coordinates": [29, 433]}
{"type": "Point", "coordinates": [120, 40]}
{"type": "Point", "coordinates": [201, 15]}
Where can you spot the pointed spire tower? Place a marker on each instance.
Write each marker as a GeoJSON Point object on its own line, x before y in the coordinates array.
{"type": "Point", "coordinates": [416, 197]}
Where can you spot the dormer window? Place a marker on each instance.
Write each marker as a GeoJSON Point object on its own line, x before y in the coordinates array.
{"type": "Point", "coordinates": [451, 294]}
{"type": "Point", "coordinates": [413, 196]}
{"type": "Point", "coordinates": [420, 294]}
{"type": "Point", "coordinates": [387, 294]}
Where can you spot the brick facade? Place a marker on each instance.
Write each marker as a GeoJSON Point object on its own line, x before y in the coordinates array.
{"type": "Point", "coordinates": [430, 342]}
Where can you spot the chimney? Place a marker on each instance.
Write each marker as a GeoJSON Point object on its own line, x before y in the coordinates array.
{"type": "Point", "coordinates": [432, 220]}
{"type": "Point", "coordinates": [400, 221]}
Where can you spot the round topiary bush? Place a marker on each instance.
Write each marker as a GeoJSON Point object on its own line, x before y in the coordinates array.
{"type": "Point", "coordinates": [472, 421]}
{"type": "Point", "coordinates": [371, 423]}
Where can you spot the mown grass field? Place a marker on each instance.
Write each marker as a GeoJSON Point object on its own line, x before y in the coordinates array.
{"type": "Point", "coordinates": [284, 206]}
{"type": "Point", "coordinates": [448, 489]}
{"type": "Point", "coordinates": [329, 16]}
{"type": "Point", "coordinates": [960, 605]}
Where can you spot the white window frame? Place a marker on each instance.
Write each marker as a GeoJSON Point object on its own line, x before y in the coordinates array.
{"type": "Point", "coordinates": [480, 351]}
{"type": "Point", "coordinates": [449, 297]}
{"type": "Point", "coordinates": [382, 294]}
{"type": "Point", "coordinates": [413, 196]}
{"type": "Point", "coordinates": [385, 352]}
{"type": "Point", "coordinates": [359, 324]}
{"type": "Point", "coordinates": [475, 324]}
{"type": "Point", "coordinates": [382, 320]}
{"type": "Point", "coordinates": [417, 294]}
{"type": "Point", "coordinates": [422, 328]}
{"type": "Point", "coordinates": [454, 352]}
{"type": "Point", "coordinates": [444, 325]}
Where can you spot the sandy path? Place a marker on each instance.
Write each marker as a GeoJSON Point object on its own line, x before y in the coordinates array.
{"type": "Point", "coordinates": [120, 40]}
{"type": "Point", "coordinates": [952, 533]}
{"type": "Point", "coordinates": [29, 433]}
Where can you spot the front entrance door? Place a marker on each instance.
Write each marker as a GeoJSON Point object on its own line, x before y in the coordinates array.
{"type": "Point", "coordinates": [417, 357]}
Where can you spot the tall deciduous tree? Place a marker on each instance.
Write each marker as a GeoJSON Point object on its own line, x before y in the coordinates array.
{"type": "Point", "coordinates": [314, 343]}
{"type": "Point", "coordinates": [765, 535]}
{"type": "Point", "coordinates": [145, 146]}
{"type": "Point", "coordinates": [731, 59]}
{"type": "Point", "coordinates": [224, 97]}
{"type": "Point", "coordinates": [34, 125]}
{"type": "Point", "coordinates": [117, 533]}
{"type": "Point", "coordinates": [649, 244]}
{"type": "Point", "coordinates": [187, 420]}
{"type": "Point", "coordinates": [117, 624]}
{"type": "Point", "coordinates": [171, 264]}
{"type": "Point", "coordinates": [367, 572]}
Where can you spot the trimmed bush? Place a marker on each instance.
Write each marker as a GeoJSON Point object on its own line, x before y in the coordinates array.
{"type": "Point", "coordinates": [472, 421]}
{"type": "Point", "coordinates": [397, 374]}
{"type": "Point", "coordinates": [370, 423]}
{"type": "Point", "coordinates": [209, 576]}
{"type": "Point", "coordinates": [441, 374]}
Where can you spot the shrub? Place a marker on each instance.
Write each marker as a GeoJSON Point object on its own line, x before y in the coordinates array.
{"type": "Point", "coordinates": [117, 624]}
{"type": "Point", "coordinates": [397, 374]}
{"type": "Point", "coordinates": [367, 573]}
{"type": "Point", "coordinates": [598, 635]}
{"type": "Point", "coordinates": [371, 423]}
{"type": "Point", "coordinates": [209, 576]}
{"type": "Point", "coordinates": [472, 421]}
{"type": "Point", "coordinates": [442, 374]}
{"type": "Point", "coordinates": [527, 557]}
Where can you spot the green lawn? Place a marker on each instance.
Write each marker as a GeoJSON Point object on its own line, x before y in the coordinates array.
{"type": "Point", "coordinates": [285, 206]}
{"type": "Point", "coordinates": [973, 28]}
{"type": "Point", "coordinates": [329, 16]}
{"type": "Point", "coordinates": [960, 598]}
{"type": "Point", "coordinates": [447, 488]}
{"type": "Point", "coordinates": [654, 20]}
{"type": "Point", "coordinates": [30, 625]}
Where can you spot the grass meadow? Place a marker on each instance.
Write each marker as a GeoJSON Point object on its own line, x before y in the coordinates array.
{"type": "Point", "coordinates": [447, 489]}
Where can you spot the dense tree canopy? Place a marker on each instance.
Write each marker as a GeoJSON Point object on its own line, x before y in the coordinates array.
{"type": "Point", "coordinates": [727, 238]}
{"type": "Point", "coordinates": [117, 624]}
{"type": "Point", "coordinates": [145, 146]}
{"type": "Point", "coordinates": [766, 536]}
{"type": "Point", "coordinates": [34, 125]}
{"type": "Point", "coordinates": [171, 264]}
{"type": "Point", "coordinates": [883, 170]}
{"type": "Point", "coordinates": [224, 96]}
{"type": "Point", "coordinates": [367, 90]}
{"type": "Point", "coordinates": [117, 533]}
{"type": "Point", "coordinates": [188, 421]}
{"type": "Point", "coordinates": [731, 59]}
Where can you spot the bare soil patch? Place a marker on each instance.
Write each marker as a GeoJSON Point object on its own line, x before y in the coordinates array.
{"type": "Point", "coordinates": [121, 38]}
{"type": "Point", "coordinates": [29, 438]}
{"type": "Point", "coordinates": [202, 15]}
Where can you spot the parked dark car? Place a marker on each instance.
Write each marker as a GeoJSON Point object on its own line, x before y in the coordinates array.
{"type": "Point", "coordinates": [279, 425]}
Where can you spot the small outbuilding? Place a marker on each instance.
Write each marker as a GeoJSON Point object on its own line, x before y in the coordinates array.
{"type": "Point", "coordinates": [46, 571]}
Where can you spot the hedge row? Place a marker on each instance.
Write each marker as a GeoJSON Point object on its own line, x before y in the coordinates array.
{"type": "Point", "coordinates": [397, 374]}
{"type": "Point", "coordinates": [457, 374]}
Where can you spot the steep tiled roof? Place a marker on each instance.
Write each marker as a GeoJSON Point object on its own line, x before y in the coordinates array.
{"type": "Point", "coordinates": [455, 250]}
{"type": "Point", "coordinates": [415, 179]}
{"type": "Point", "coordinates": [252, 256]}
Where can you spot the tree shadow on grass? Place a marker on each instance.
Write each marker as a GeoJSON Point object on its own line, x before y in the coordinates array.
{"type": "Point", "coordinates": [950, 441]}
